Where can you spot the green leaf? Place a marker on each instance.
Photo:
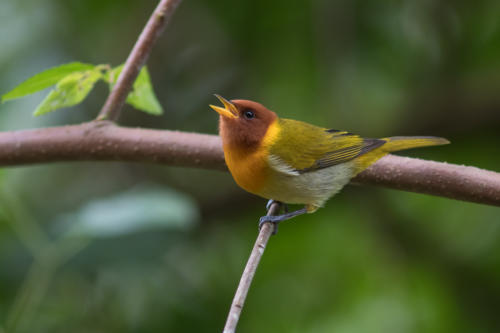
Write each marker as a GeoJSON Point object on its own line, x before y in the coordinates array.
{"type": "Point", "coordinates": [45, 79]}
{"type": "Point", "coordinates": [142, 96]}
{"type": "Point", "coordinates": [111, 76]}
{"type": "Point", "coordinates": [143, 208]}
{"type": "Point", "coordinates": [70, 91]}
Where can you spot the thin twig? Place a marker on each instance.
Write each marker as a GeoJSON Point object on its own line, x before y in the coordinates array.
{"type": "Point", "coordinates": [136, 59]}
{"type": "Point", "coordinates": [104, 141]}
{"type": "Point", "coordinates": [249, 272]}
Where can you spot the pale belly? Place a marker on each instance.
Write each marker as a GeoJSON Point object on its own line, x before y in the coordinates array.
{"type": "Point", "coordinates": [310, 188]}
{"type": "Point", "coordinates": [270, 178]}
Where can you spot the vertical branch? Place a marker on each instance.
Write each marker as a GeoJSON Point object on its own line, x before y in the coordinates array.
{"type": "Point", "coordinates": [249, 272]}
{"type": "Point", "coordinates": [136, 59]}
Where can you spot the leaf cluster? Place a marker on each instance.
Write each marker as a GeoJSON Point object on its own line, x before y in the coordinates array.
{"type": "Point", "coordinates": [73, 82]}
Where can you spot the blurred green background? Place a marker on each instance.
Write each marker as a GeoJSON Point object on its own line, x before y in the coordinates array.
{"type": "Point", "coordinates": [122, 247]}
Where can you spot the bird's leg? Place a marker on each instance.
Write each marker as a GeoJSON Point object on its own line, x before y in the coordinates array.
{"type": "Point", "coordinates": [282, 217]}
{"type": "Point", "coordinates": [278, 218]}
{"type": "Point", "coordinates": [271, 201]}
{"type": "Point", "coordinates": [268, 206]}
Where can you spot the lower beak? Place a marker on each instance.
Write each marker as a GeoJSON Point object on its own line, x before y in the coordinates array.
{"type": "Point", "coordinates": [229, 110]}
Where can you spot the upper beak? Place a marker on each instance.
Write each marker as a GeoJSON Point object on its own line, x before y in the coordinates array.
{"type": "Point", "coordinates": [229, 110]}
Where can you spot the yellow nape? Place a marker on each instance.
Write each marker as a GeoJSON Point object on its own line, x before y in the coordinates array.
{"type": "Point", "coordinates": [272, 134]}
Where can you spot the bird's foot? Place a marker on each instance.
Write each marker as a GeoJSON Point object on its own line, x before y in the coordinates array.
{"type": "Point", "coordinates": [268, 206]}
{"type": "Point", "coordinates": [264, 219]}
{"type": "Point", "coordinates": [276, 219]}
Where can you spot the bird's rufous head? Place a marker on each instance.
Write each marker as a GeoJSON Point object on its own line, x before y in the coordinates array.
{"type": "Point", "coordinates": [243, 123]}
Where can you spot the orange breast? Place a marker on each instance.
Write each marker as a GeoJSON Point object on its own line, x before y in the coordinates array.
{"type": "Point", "coordinates": [249, 170]}
{"type": "Point", "coordinates": [249, 165]}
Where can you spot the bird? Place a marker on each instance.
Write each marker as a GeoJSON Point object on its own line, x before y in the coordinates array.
{"type": "Point", "coordinates": [293, 162]}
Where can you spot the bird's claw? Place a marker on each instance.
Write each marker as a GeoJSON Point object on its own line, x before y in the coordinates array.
{"type": "Point", "coordinates": [271, 219]}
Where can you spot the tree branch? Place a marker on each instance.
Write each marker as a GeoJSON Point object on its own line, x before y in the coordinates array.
{"type": "Point", "coordinates": [105, 141]}
{"type": "Point", "coordinates": [249, 272]}
{"type": "Point", "coordinates": [136, 59]}
{"type": "Point", "coordinates": [437, 178]}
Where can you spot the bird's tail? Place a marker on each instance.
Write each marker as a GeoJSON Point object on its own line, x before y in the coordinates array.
{"type": "Point", "coordinates": [396, 143]}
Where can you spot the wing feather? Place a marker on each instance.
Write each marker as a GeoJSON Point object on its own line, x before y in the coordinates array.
{"type": "Point", "coordinates": [302, 147]}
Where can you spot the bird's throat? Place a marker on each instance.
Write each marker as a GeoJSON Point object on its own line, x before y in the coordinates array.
{"type": "Point", "coordinates": [248, 161]}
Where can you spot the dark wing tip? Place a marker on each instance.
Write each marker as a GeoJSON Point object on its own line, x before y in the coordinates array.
{"type": "Point", "coordinates": [332, 130]}
{"type": "Point", "coordinates": [370, 144]}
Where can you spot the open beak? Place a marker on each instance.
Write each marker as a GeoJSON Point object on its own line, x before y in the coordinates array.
{"type": "Point", "coordinates": [229, 110]}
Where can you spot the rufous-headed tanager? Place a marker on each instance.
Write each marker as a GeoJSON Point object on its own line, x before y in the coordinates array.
{"type": "Point", "coordinates": [294, 162]}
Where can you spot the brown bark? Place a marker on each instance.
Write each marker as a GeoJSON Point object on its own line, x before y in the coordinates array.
{"type": "Point", "coordinates": [104, 141]}
{"type": "Point", "coordinates": [437, 178]}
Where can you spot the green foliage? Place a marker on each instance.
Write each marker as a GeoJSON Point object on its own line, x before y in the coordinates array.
{"type": "Point", "coordinates": [142, 96]}
{"type": "Point", "coordinates": [74, 81]}
{"type": "Point", "coordinates": [69, 91]}
{"type": "Point", "coordinates": [139, 209]}
{"type": "Point", "coordinates": [45, 79]}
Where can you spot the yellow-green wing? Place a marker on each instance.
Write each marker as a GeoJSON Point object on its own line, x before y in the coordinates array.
{"type": "Point", "coordinates": [304, 147]}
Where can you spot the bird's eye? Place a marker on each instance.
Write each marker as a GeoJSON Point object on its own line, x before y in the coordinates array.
{"type": "Point", "coordinates": [249, 114]}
